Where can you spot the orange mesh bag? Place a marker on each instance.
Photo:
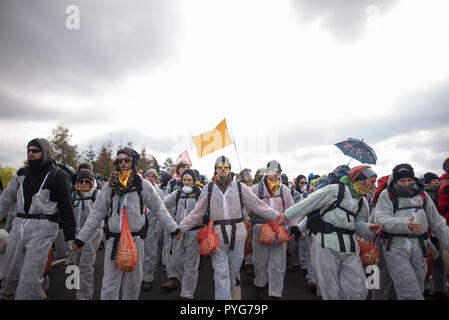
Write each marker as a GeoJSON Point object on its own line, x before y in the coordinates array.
{"type": "Point", "coordinates": [207, 239]}
{"type": "Point", "coordinates": [249, 238]}
{"type": "Point", "coordinates": [127, 251]}
{"type": "Point", "coordinates": [368, 253]}
{"type": "Point", "coordinates": [49, 261]}
{"type": "Point", "coordinates": [271, 233]}
{"type": "Point", "coordinates": [429, 261]}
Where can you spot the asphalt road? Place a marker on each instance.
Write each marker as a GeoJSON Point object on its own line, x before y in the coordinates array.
{"type": "Point", "coordinates": [294, 287]}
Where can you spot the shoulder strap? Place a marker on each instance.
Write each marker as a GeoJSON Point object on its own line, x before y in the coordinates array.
{"type": "Point", "coordinates": [239, 188]}
{"type": "Point", "coordinates": [282, 196]}
{"type": "Point", "coordinates": [210, 188]}
{"type": "Point", "coordinates": [261, 183]}
{"type": "Point", "coordinates": [94, 195]}
{"type": "Point", "coordinates": [178, 195]}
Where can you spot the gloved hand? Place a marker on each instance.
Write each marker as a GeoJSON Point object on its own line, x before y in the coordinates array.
{"type": "Point", "coordinates": [295, 232]}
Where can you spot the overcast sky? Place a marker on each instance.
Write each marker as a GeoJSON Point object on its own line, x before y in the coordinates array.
{"type": "Point", "coordinates": [292, 78]}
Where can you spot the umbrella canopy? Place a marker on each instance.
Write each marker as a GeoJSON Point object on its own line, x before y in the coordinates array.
{"type": "Point", "coordinates": [357, 149]}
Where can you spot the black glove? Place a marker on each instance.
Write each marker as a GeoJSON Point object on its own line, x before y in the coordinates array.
{"type": "Point", "coordinates": [295, 232]}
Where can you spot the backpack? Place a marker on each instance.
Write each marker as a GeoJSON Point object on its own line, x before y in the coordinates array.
{"type": "Point", "coordinates": [334, 176]}
{"type": "Point", "coordinates": [142, 232]}
{"type": "Point", "coordinates": [315, 217]}
{"type": "Point", "coordinates": [382, 184]}
{"type": "Point", "coordinates": [210, 187]}
{"type": "Point", "coordinates": [261, 196]}
{"type": "Point", "coordinates": [178, 196]}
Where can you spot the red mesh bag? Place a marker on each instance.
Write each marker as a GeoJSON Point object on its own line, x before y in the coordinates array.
{"type": "Point", "coordinates": [249, 238]}
{"type": "Point", "coordinates": [49, 261]}
{"type": "Point", "coordinates": [207, 239]}
{"type": "Point", "coordinates": [271, 231]}
{"type": "Point", "coordinates": [127, 251]}
{"type": "Point", "coordinates": [368, 253]}
{"type": "Point", "coordinates": [429, 261]}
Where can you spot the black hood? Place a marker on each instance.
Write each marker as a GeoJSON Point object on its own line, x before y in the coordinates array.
{"type": "Point", "coordinates": [47, 150]}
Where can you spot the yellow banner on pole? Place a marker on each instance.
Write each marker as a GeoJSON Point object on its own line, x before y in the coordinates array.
{"type": "Point", "coordinates": [212, 140]}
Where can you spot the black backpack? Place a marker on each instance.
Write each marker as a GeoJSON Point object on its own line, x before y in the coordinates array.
{"type": "Point", "coordinates": [314, 218]}
{"type": "Point", "coordinates": [178, 196]}
{"type": "Point", "coordinates": [210, 187]}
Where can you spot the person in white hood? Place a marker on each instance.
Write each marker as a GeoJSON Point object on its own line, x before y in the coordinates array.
{"type": "Point", "coordinates": [83, 201]}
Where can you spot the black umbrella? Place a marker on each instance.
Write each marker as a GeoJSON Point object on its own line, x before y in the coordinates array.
{"type": "Point", "coordinates": [358, 150]}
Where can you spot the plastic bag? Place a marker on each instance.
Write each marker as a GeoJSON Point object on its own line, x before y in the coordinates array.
{"type": "Point", "coordinates": [368, 253]}
{"type": "Point", "coordinates": [249, 238]}
{"type": "Point", "coordinates": [207, 239]}
{"type": "Point", "coordinates": [49, 261]}
{"type": "Point", "coordinates": [271, 233]}
{"type": "Point", "coordinates": [127, 251]}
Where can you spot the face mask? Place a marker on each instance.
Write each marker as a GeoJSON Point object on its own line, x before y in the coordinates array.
{"type": "Point", "coordinates": [187, 190]}
{"type": "Point", "coordinates": [304, 188]}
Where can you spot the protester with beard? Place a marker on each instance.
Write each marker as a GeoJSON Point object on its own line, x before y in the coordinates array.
{"type": "Point", "coordinates": [43, 199]}
{"type": "Point", "coordinates": [124, 190]}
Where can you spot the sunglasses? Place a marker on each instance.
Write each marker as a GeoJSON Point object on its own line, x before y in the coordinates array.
{"type": "Point", "coordinates": [34, 150]}
{"type": "Point", "coordinates": [220, 166]}
{"type": "Point", "coordinates": [301, 182]}
{"type": "Point", "coordinates": [83, 181]}
{"type": "Point", "coordinates": [119, 160]}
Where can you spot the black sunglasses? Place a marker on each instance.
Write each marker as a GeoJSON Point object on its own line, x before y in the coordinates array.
{"type": "Point", "coordinates": [302, 182]}
{"type": "Point", "coordinates": [81, 181]}
{"type": "Point", "coordinates": [119, 160]}
{"type": "Point", "coordinates": [34, 150]}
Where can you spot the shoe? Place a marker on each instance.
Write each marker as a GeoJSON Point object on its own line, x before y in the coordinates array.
{"type": "Point", "coordinates": [427, 295]}
{"type": "Point", "coordinates": [146, 285]}
{"type": "Point", "coordinates": [275, 298]}
{"type": "Point", "coordinates": [249, 270]}
{"type": "Point", "coordinates": [312, 287]}
{"type": "Point", "coordinates": [184, 298]}
{"type": "Point", "coordinates": [171, 284]}
{"type": "Point", "coordinates": [259, 292]}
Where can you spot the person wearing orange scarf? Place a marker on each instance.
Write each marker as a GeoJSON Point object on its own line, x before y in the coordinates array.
{"type": "Point", "coordinates": [126, 192]}
{"type": "Point", "coordinates": [270, 260]}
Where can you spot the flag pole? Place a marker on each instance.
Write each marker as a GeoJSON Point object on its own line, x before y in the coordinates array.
{"type": "Point", "coordinates": [235, 146]}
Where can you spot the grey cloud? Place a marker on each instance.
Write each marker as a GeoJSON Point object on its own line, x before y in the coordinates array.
{"type": "Point", "coordinates": [425, 110]}
{"type": "Point", "coordinates": [345, 19]}
{"type": "Point", "coordinates": [115, 37]}
{"type": "Point", "coordinates": [21, 109]}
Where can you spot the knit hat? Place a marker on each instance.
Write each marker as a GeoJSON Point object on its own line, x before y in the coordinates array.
{"type": "Point", "coordinates": [446, 165]}
{"type": "Point", "coordinates": [191, 173]}
{"type": "Point", "coordinates": [85, 174]}
{"type": "Point", "coordinates": [361, 172]}
{"type": "Point", "coordinates": [403, 170]}
{"type": "Point", "coordinates": [34, 143]}
{"type": "Point", "coordinates": [165, 177]}
{"type": "Point", "coordinates": [152, 171]}
{"type": "Point", "coordinates": [429, 176]}
{"type": "Point", "coordinates": [273, 165]}
{"type": "Point", "coordinates": [130, 152]}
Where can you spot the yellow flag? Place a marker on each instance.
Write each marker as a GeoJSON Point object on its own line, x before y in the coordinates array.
{"type": "Point", "coordinates": [213, 140]}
